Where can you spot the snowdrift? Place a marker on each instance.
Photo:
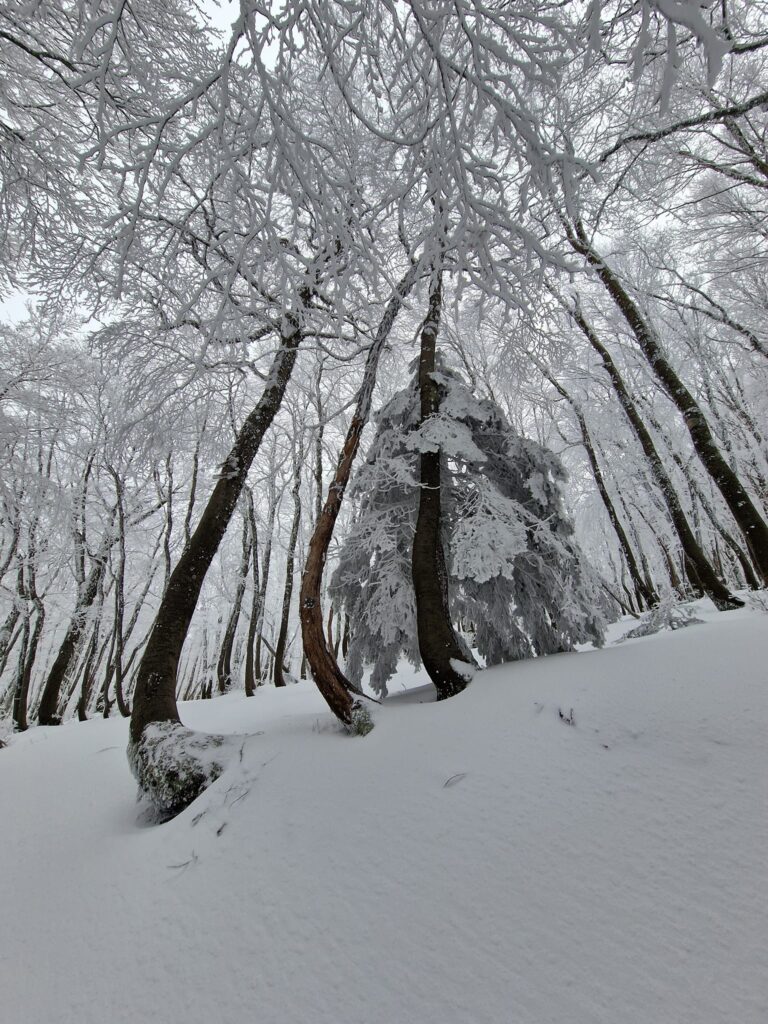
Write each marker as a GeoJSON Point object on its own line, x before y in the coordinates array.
{"type": "Point", "coordinates": [577, 840]}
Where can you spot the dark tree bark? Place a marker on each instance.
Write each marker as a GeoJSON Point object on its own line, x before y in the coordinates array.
{"type": "Point", "coordinates": [253, 670]}
{"type": "Point", "coordinates": [89, 672]}
{"type": "Point", "coordinates": [224, 667]}
{"type": "Point", "coordinates": [30, 640]}
{"type": "Point", "coordinates": [19, 689]}
{"type": "Point", "coordinates": [645, 595]}
{"type": "Point", "coordinates": [6, 633]}
{"type": "Point", "coordinates": [282, 637]}
{"type": "Point", "coordinates": [10, 553]}
{"type": "Point", "coordinates": [749, 520]}
{"type": "Point", "coordinates": [48, 712]}
{"type": "Point", "coordinates": [330, 680]}
{"type": "Point", "coordinates": [438, 644]}
{"type": "Point", "coordinates": [165, 500]}
{"type": "Point", "coordinates": [155, 695]}
{"type": "Point", "coordinates": [696, 560]}
{"type": "Point", "coordinates": [119, 596]}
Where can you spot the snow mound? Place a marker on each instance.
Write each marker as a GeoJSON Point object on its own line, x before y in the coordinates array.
{"type": "Point", "coordinates": [579, 838]}
{"type": "Point", "coordinates": [667, 614]}
{"type": "Point", "coordinates": [174, 765]}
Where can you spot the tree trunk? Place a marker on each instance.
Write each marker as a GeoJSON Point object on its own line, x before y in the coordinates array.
{"type": "Point", "coordinates": [48, 712]}
{"type": "Point", "coordinates": [438, 644]}
{"type": "Point", "coordinates": [282, 637]}
{"type": "Point", "coordinates": [645, 595]}
{"type": "Point", "coordinates": [6, 632]}
{"type": "Point", "coordinates": [253, 644]}
{"type": "Point", "coordinates": [155, 695]}
{"type": "Point", "coordinates": [224, 667]}
{"type": "Point", "coordinates": [695, 557]}
{"type": "Point", "coordinates": [120, 596]}
{"type": "Point", "coordinates": [329, 678]}
{"type": "Point", "coordinates": [745, 514]}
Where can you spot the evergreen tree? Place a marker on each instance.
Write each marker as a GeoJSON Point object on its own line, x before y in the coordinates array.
{"type": "Point", "coordinates": [518, 586]}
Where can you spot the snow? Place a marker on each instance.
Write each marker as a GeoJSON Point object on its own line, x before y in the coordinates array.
{"type": "Point", "coordinates": [475, 861]}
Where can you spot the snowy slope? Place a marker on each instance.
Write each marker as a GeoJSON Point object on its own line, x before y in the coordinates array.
{"type": "Point", "coordinates": [474, 862]}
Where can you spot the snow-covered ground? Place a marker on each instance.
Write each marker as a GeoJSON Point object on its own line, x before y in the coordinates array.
{"type": "Point", "coordinates": [479, 861]}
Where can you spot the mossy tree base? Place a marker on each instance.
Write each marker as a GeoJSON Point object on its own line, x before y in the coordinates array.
{"type": "Point", "coordinates": [173, 765]}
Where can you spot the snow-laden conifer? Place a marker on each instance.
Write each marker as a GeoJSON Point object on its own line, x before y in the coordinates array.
{"type": "Point", "coordinates": [518, 585]}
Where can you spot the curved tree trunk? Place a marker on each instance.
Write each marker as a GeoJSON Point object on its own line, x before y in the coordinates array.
{"type": "Point", "coordinates": [696, 560]}
{"type": "Point", "coordinates": [329, 678]}
{"type": "Point", "coordinates": [155, 695]}
{"type": "Point", "coordinates": [749, 520]}
{"type": "Point", "coordinates": [438, 645]}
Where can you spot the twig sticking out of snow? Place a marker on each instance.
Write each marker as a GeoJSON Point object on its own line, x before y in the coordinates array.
{"type": "Point", "coordinates": [568, 719]}
{"type": "Point", "coordinates": [454, 779]}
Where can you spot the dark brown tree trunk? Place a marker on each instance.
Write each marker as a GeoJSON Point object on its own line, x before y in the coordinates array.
{"type": "Point", "coordinates": [155, 695]}
{"type": "Point", "coordinates": [749, 520]}
{"type": "Point", "coordinates": [438, 644]}
{"type": "Point", "coordinates": [224, 667]}
{"type": "Point", "coordinates": [695, 558]}
{"type": "Point", "coordinates": [696, 492]}
{"type": "Point", "coordinates": [27, 590]}
{"type": "Point", "coordinates": [330, 680]}
{"type": "Point", "coordinates": [256, 587]}
{"type": "Point", "coordinates": [674, 577]}
{"type": "Point", "coordinates": [89, 671]}
{"type": "Point", "coordinates": [282, 637]}
{"type": "Point", "coordinates": [120, 596]}
{"type": "Point", "coordinates": [10, 552]}
{"type": "Point", "coordinates": [48, 712]}
{"type": "Point", "coordinates": [253, 670]}
{"type": "Point", "coordinates": [19, 689]}
{"type": "Point", "coordinates": [165, 500]}
{"type": "Point", "coordinates": [6, 633]}
{"type": "Point", "coordinates": [645, 595]}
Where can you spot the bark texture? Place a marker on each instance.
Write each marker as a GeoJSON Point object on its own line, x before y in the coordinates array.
{"type": "Point", "coordinates": [743, 510]}
{"type": "Point", "coordinates": [48, 712]}
{"type": "Point", "coordinates": [645, 595]}
{"type": "Point", "coordinates": [155, 696]}
{"type": "Point", "coordinates": [329, 678]}
{"type": "Point", "coordinates": [438, 644]}
{"type": "Point", "coordinates": [224, 666]}
{"type": "Point", "coordinates": [290, 562]}
{"type": "Point", "coordinates": [696, 561]}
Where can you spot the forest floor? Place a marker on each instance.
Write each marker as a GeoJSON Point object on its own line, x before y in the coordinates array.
{"type": "Point", "coordinates": [478, 861]}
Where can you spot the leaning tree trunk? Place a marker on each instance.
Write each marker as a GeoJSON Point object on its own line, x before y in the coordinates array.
{"type": "Point", "coordinates": [438, 645]}
{"type": "Point", "coordinates": [644, 594]}
{"type": "Point", "coordinates": [696, 560]}
{"type": "Point", "coordinates": [330, 680]}
{"type": "Point", "coordinates": [155, 695]}
{"type": "Point", "coordinates": [749, 520]}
